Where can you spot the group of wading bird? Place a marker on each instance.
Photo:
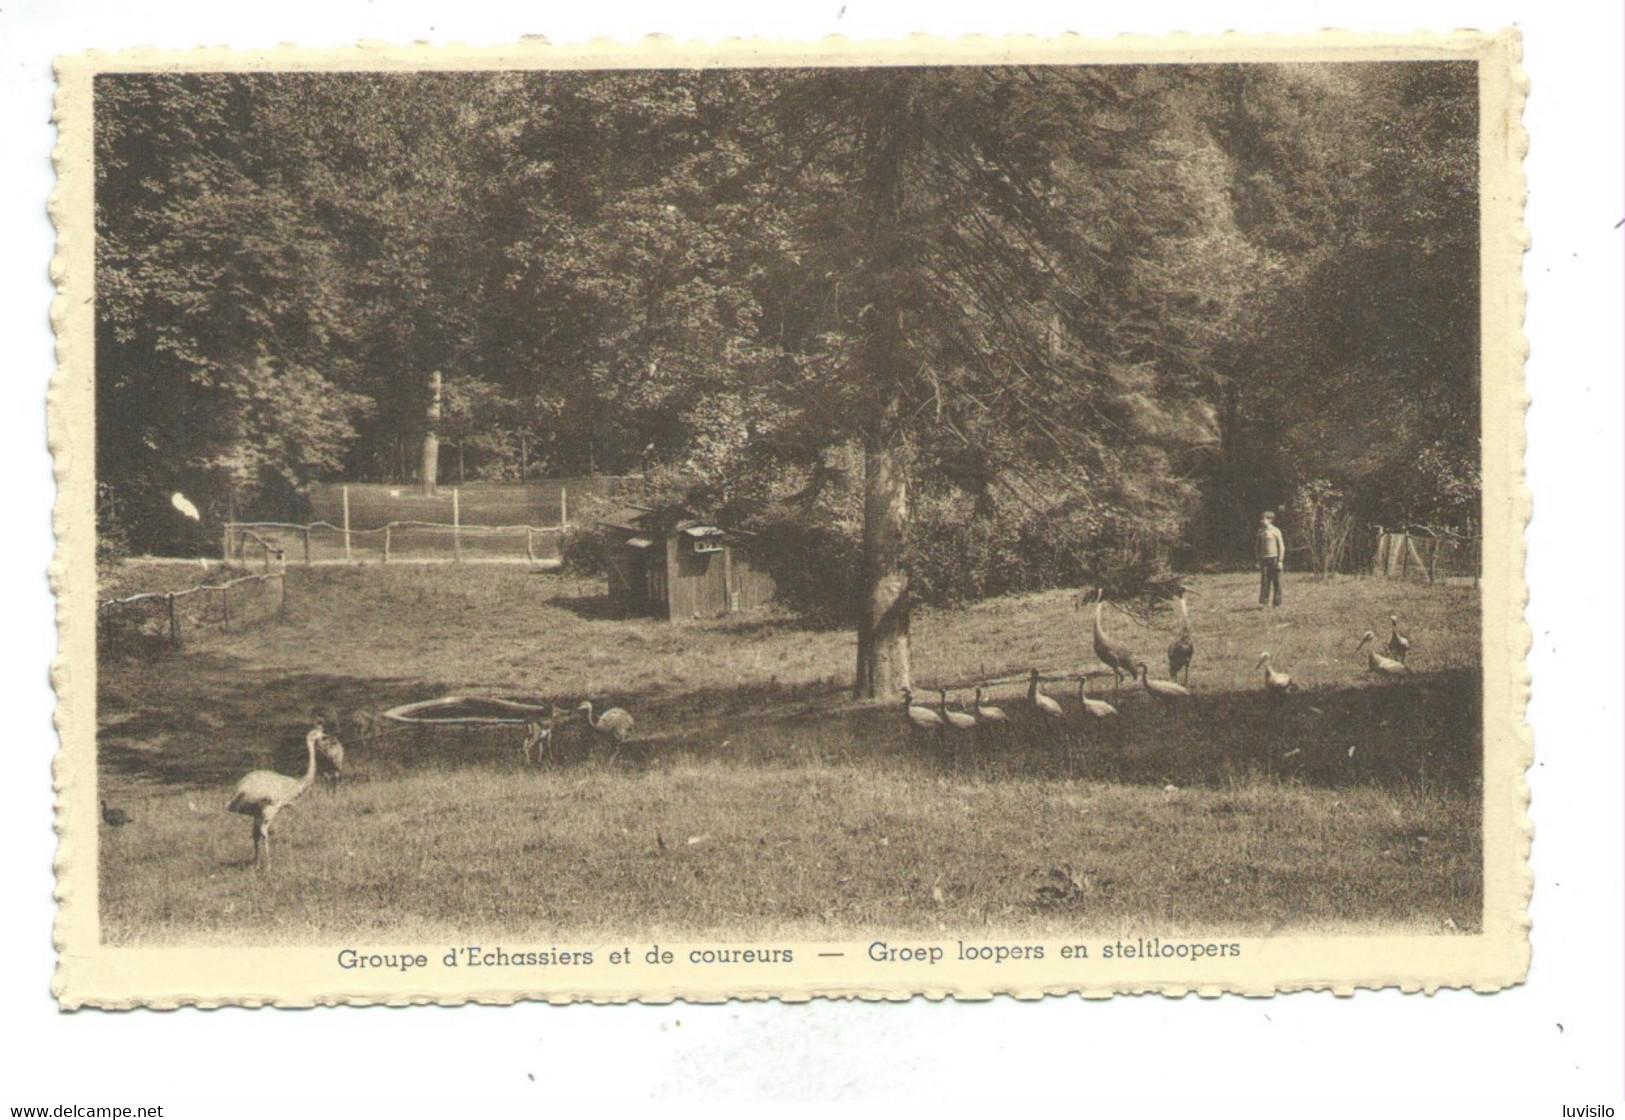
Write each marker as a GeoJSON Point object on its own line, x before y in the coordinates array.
{"type": "Point", "coordinates": [262, 794]}
{"type": "Point", "coordinates": [1120, 659]}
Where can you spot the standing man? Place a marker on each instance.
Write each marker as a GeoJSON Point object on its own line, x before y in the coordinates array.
{"type": "Point", "coordinates": [1270, 548]}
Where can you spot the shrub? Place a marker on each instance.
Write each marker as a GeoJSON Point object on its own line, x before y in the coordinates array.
{"type": "Point", "coordinates": [581, 551]}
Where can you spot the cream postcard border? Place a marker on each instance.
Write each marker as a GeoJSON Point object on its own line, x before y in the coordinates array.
{"type": "Point", "coordinates": [92, 974]}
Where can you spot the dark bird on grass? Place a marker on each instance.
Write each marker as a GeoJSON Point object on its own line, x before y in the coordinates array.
{"type": "Point", "coordinates": [1276, 682]}
{"type": "Point", "coordinates": [330, 759]}
{"type": "Point", "coordinates": [1377, 663]}
{"type": "Point", "coordinates": [1036, 697]}
{"type": "Point", "coordinates": [1118, 658]}
{"type": "Point", "coordinates": [262, 794]}
{"type": "Point", "coordinates": [1399, 646]}
{"type": "Point", "coordinates": [1097, 708]}
{"type": "Point", "coordinates": [612, 726]}
{"type": "Point", "coordinates": [920, 717]}
{"type": "Point", "coordinates": [114, 817]}
{"type": "Point", "coordinates": [1182, 650]}
{"type": "Point", "coordinates": [959, 721]}
{"type": "Point", "coordinates": [1166, 691]}
{"type": "Point", "coordinates": [986, 713]}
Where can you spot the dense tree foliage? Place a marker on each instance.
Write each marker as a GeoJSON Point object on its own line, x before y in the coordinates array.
{"type": "Point", "coordinates": [1073, 319]}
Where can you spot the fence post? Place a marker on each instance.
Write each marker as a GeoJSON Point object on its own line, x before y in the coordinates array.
{"type": "Point", "coordinates": [530, 550]}
{"type": "Point", "coordinates": [1405, 556]}
{"type": "Point", "coordinates": [282, 593]}
{"type": "Point", "coordinates": [225, 543]}
{"type": "Point", "coordinates": [456, 524]}
{"type": "Point", "coordinates": [1433, 559]}
{"type": "Point", "coordinates": [307, 546]}
{"type": "Point", "coordinates": [346, 523]}
{"type": "Point", "coordinates": [386, 542]}
{"type": "Point", "coordinates": [564, 507]}
{"type": "Point", "coordinates": [174, 623]}
{"type": "Point", "coordinates": [225, 607]}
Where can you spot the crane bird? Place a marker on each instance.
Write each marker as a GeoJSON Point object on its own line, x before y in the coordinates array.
{"type": "Point", "coordinates": [1035, 696]}
{"type": "Point", "coordinates": [959, 721]}
{"type": "Point", "coordinates": [1166, 691]}
{"type": "Point", "coordinates": [186, 508]}
{"type": "Point", "coordinates": [1399, 646]}
{"type": "Point", "coordinates": [1276, 682]}
{"type": "Point", "coordinates": [262, 794]}
{"type": "Point", "coordinates": [987, 714]}
{"type": "Point", "coordinates": [114, 818]}
{"type": "Point", "coordinates": [1182, 650]}
{"type": "Point", "coordinates": [613, 726]}
{"type": "Point", "coordinates": [1118, 658]}
{"type": "Point", "coordinates": [1097, 708]}
{"type": "Point", "coordinates": [1382, 666]}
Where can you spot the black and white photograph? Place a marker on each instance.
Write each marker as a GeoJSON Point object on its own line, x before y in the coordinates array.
{"type": "Point", "coordinates": [546, 517]}
{"type": "Point", "coordinates": [978, 526]}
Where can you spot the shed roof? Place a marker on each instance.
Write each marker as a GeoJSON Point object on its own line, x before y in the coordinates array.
{"type": "Point", "coordinates": [631, 518]}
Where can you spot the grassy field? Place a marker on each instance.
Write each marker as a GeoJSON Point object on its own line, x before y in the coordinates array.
{"type": "Point", "coordinates": [757, 799]}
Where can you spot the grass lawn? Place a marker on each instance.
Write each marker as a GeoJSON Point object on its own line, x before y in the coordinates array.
{"type": "Point", "coordinates": [757, 799]}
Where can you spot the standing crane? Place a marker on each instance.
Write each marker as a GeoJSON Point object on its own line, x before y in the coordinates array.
{"type": "Point", "coordinates": [1097, 708]}
{"type": "Point", "coordinates": [262, 794]}
{"type": "Point", "coordinates": [1399, 646]}
{"type": "Point", "coordinates": [1377, 663]}
{"type": "Point", "coordinates": [1276, 682]}
{"type": "Point", "coordinates": [1183, 649]}
{"type": "Point", "coordinates": [1166, 691]}
{"type": "Point", "coordinates": [1118, 658]}
{"type": "Point", "coordinates": [1044, 704]}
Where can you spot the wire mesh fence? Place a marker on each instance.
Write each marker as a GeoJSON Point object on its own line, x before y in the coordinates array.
{"type": "Point", "coordinates": [173, 618]}
{"type": "Point", "coordinates": [1427, 556]}
{"type": "Point", "coordinates": [399, 541]}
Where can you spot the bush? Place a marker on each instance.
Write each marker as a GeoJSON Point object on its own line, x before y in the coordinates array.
{"type": "Point", "coordinates": [816, 564]}
{"type": "Point", "coordinates": [581, 551]}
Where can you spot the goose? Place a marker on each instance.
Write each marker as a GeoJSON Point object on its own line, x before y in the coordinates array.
{"type": "Point", "coordinates": [921, 717]}
{"type": "Point", "coordinates": [1037, 699]}
{"type": "Point", "coordinates": [1162, 690]}
{"type": "Point", "coordinates": [1097, 708]}
{"type": "Point", "coordinates": [986, 713]}
{"type": "Point", "coordinates": [959, 721]}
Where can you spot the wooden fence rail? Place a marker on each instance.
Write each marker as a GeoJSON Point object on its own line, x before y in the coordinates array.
{"type": "Point", "coordinates": [120, 620]}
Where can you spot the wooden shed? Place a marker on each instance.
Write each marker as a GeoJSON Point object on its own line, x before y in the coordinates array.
{"type": "Point", "coordinates": [684, 568]}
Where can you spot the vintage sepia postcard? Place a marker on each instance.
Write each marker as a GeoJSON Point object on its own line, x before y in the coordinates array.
{"type": "Point", "coordinates": [844, 519]}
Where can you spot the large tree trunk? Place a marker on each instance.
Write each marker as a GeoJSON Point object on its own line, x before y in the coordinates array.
{"type": "Point", "coordinates": [430, 476]}
{"type": "Point", "coordinates": [883, 652]}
